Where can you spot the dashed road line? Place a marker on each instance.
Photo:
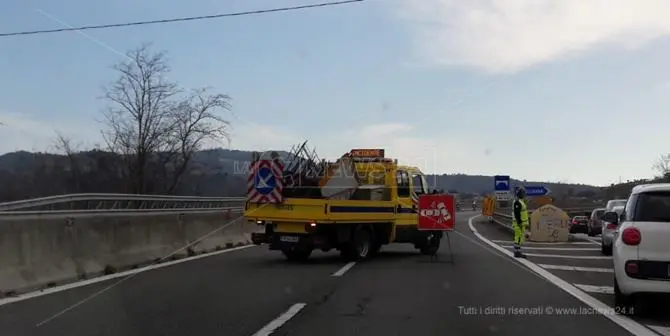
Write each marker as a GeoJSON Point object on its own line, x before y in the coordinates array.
{"type": "Point", "coordinates": [625, 322]}
{"type": "Point", "coordinates": [344, 269]}
{"type": "Point", "coordinates": [590, 289]}
{"type": "Point", "coordinates": [555, 248]}
{"type": "Point", "coordinates": [538, 243]}
{"type": "Point", "coordinates": [563, 256]}
{"type": "Point", "coordinates": [576, 268]}
{"type": "Point", "coordinates": [596, 289]}
{"type": "Point", "coordinates": [275, 324]}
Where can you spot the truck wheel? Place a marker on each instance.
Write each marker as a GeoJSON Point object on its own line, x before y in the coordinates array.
{"type": "Point", "coordinates": [297, 254]}
{"type": "Point", "coordinates": [431, 245]}
{"type": "Point", "coordinates": [376, 247]}
{"type": "Point", "coordinates": [360, 247]}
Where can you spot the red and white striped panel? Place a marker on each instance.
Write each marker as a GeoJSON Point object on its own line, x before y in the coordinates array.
{"type": "Point", "coordinates": [278, 171]}
{"type": "Point", "coordinates": [275, 196]}
{"type": "Point", "coordinates": [251, 179]}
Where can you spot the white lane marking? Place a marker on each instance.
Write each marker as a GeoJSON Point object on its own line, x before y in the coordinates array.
{"type": "Point", "coordinates": [595, 242]}
{"type": "Point", "coordinates": [591, 240]}
{"type": "Point", "coordinates": [631, 326]}
{"type": "Point", "coordinates": [281, 320]}
{"type": "Point", "coordinates": [665, 331]}
{"type": "Point", "coordinates": [344, 269]}
{"type": "Point", "coordinates": [576, 268]}
{"type": "Point", "coordinates": [83, 283]}
{"type": "Point", "coordinates": [542, 255]}
{"type": "Point", "coordinates": [596, 289]}
{"type": "Point", "coordinates": [538, 243]}
{"type": "Point", "coordinates": [554, 248]}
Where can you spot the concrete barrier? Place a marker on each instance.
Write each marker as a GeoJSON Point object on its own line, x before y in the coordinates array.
{"type": "Point", "coordinates": [48, 250]}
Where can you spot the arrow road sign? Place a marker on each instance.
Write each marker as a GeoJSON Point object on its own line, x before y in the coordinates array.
{"type": "Point", "coordinates": [265, 181]}
{"type": "Point", "coordinates": [501, 183]}
{"type": "Point", "coordinates": [536, 190]}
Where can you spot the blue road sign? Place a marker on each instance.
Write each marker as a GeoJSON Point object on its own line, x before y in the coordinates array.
{"type": "Point", "coordinates": [265, 181]}
{"type": "Point", "coordinates": [536, 190]}
{"type": "Point", "coordinates": [501, 183]}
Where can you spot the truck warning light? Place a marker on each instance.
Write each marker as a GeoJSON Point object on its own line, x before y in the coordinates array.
{"type": "Point", "coordinates": [367, 153]}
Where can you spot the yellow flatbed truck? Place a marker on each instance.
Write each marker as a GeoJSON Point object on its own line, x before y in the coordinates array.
{"type": "Point", "coordinates": [381, 210]}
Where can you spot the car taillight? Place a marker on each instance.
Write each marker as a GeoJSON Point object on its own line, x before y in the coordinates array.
{"type": "Point", "coordinates": [631, 267]}
{"type": "Point", "coordinates": [574, 221]}
{"type": "Point", "coordinates": [611, 226]}
{"type": "Point", "coordinates": [631, 236]}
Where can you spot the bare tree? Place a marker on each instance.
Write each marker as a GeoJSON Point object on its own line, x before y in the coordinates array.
{"type": "Point", "coordinates": [138, 116]}
{"type": "Point", "coordinates": [65, 145]}
{"type": "Point", "coordinates": [152, 127]}
{"type": "Point", "coordinates": [195, 121]}
{"type": "Point", "coordinates": [662, 166]}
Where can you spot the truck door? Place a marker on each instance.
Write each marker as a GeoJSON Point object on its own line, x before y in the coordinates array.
{"type": "Point", "coordinates": [405, 211]}
{"type": "Point", "coordinates": [419, 185]}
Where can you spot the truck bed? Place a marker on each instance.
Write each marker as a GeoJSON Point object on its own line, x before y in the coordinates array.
{"type": "Point", "coordinates": [322, 211]}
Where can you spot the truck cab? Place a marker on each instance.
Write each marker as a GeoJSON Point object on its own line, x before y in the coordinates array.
{"type": "Point", "coordinates": [362, 202]}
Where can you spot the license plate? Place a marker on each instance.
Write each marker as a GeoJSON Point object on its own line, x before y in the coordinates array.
{"type": "Point", "coordinates": [289, 239]}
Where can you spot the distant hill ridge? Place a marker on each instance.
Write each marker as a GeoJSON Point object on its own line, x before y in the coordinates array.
{"type": "Point", "coordinates": [215, 172]}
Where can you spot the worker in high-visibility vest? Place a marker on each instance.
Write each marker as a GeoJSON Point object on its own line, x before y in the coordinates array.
{"type": "Point", "coordinates": [520, 222]}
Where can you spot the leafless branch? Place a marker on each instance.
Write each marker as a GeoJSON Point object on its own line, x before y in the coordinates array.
{"type": "Point", "coordinates": [65, 145]}
{"type": "Point", "coordinates": [662, 166]}
{"type": "Point", "coordinates": [153, 127]}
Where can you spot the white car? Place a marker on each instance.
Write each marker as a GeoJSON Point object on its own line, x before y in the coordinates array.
{"type": "Point", "coordinates": [641, 247]}
{"type": "Point", "coordinates": [608, 229]}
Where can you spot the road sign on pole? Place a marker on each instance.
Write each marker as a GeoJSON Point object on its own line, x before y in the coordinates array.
{"type": "Point", "coordinates": [503, 195]}
{"type": "Point", "coordinates": [501, 183]}
{"type": "Point", "coordinates": [536, 190]}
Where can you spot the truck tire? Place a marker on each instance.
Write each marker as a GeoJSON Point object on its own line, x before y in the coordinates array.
{"type": "Point", "coordinates": [361, 246]}
{"type": "Point", "coordinates": [376, 247]}
{"type": "Point", "coordinates": [430, 246]}
{"type": "Point", "coordinates": [297, 254]}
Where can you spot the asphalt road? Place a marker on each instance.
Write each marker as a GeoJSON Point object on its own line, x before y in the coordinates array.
{"type": "Point", "coordinates": [581, 264]}
{"type": "Point", "coordinates": [251, 291]}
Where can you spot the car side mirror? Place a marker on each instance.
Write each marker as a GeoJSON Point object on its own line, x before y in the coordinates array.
{"type": "Point", "coordinates": [611, 217]}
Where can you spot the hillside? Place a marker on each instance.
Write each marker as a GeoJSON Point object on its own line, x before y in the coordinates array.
{"type": "Point", "coordinates": [217, 172]}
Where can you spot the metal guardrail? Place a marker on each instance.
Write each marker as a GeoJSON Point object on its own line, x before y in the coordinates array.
{"type": "Point", "coordinates": [92, 202]}
{"type": "Point", "coordinates": [505, 219]}
{"type": "Point", "coordinates": [569, 211]}
{"type": "Point", "coordinates": [71, 214]}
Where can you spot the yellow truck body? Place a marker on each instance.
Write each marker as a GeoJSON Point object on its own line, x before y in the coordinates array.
{"type": "Point", "coordinates": [382, 210]}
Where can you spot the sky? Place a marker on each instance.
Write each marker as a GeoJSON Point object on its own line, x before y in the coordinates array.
{"type": "Point", "coordinates": [564, 90]}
